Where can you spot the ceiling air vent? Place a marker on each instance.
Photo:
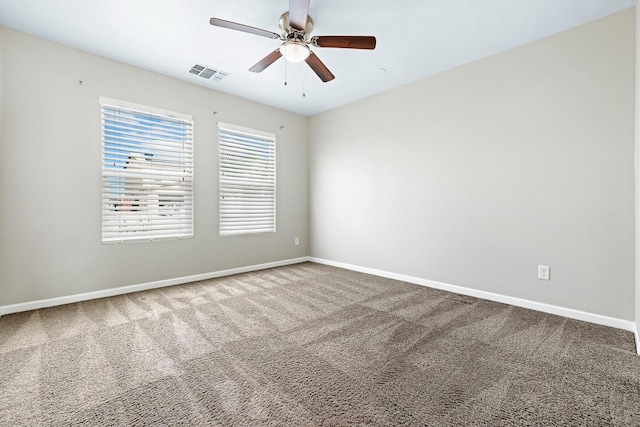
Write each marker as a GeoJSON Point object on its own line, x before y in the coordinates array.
{"type": "Point", "coordinates": [208, 73]}
{"type": "Point", "coordinates": [196, 69]}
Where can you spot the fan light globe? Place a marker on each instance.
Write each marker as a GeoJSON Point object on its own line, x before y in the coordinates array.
{"type": "Point", "coordinates": [295, 51]}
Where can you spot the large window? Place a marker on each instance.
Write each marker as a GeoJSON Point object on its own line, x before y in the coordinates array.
{"type": "Point", "coordinates": [147, 173]}
{"type": "Point", "coordinates": [247, 180]}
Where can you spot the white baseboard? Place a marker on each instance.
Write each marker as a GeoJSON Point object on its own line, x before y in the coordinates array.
{"type": "Point", "coordinates": [519, 302]}
{"type": "Point", "coordinates": [51, 302]}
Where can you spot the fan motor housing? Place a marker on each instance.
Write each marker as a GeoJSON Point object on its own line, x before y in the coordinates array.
{"type": "Point", "coordinates": [290, 33]}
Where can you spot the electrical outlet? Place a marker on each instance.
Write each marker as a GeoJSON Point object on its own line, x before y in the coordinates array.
{"type": "Point", "coordinates": [296, 241]}
{"type": "Point", "coordinates": [543, 272]}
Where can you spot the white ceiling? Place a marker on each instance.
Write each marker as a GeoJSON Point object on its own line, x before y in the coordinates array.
{"type": "Point", "coordinates": [416, 39]}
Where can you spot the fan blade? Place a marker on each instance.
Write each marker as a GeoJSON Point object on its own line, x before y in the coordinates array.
{"type": "Point", "coordinates": [266, 61]}
{"type": "Point", "coordinates": [244, 28]}
{"type": "Point", "coordinates": [319, 68]}
{"type": "Point", "coordinates": [298, 11]}
{"type": "Point", "coordinates": [347, 42]}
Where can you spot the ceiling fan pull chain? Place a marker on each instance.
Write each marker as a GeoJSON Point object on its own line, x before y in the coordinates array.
{"type": "Point", "coordinates": [303, 91]}
{"type": "Point", "coordinates": [285, 71]}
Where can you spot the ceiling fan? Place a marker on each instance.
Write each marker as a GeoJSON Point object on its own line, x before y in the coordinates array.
{"type": "Point", "coordinates": [296, 26]}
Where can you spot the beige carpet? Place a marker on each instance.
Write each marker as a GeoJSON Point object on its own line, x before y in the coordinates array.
{"type": "Point", "coordinates": [311, 345]}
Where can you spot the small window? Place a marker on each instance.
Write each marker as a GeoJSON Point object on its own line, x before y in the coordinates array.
{"type": "Point", "coordinates": [147, 173]}
{"type": "Point", "coordinates": [247, 180]}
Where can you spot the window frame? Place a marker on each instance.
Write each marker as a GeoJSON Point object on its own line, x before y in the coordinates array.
{"type": "Point", "coordinates": [169, 173]}
{"type": "Point", "coordinates": [256, 138]}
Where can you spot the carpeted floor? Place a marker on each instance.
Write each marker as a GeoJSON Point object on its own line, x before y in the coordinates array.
{"type": "Point", "coordinates": [311, 345]}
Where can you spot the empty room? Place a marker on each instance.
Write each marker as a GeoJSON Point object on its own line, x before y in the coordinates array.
{"type": "Point", "coordinates": [319, 213]}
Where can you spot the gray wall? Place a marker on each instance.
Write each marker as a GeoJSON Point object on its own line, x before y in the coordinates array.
{"type": "Point", "coordinates": [2, 298]}
{"type": "Point", "coordinates": [50, 206]}
{"type": "Point", "coordinates": [475, 176]}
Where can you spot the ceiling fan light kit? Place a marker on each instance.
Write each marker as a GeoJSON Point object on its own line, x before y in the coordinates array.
{"type": "Point", "coordinates": [296, 26]}
{"type": "Point", "coordinates": [294, 51]}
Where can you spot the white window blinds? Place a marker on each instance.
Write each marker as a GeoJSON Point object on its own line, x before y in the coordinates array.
{"type": "Point", "coordinates": [147, 173]}
{"type": "Point", "coordinates": [247, 180]}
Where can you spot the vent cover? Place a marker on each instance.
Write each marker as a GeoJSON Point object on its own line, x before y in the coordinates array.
{"type": "Point", "coordinates": [196, 69]}
{"type": "Point", "coordinates": [208, 73]}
